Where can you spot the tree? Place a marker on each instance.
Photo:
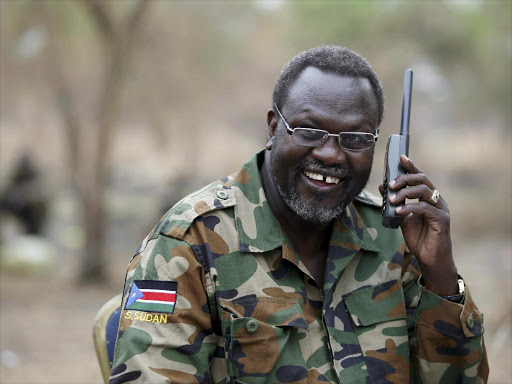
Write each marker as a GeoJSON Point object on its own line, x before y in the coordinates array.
{"type": "Point", "coordinates": [89, 175]}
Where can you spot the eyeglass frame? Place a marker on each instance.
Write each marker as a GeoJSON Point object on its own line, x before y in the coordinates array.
{"type": "Point", "coordinates": [338, 135]}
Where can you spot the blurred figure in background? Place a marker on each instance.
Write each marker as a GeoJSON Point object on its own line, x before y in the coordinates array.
{"type": "Point", "coordinates": [24, 196]}
{"type": "Point", "coordinates": [23, 206]}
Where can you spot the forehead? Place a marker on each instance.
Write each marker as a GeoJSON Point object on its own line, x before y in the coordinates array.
{"type": "Point", "coordinates": [324, 92]}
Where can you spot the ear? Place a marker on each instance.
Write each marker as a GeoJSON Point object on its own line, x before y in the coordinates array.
{"type": "Point", "coordinates": [271, 128]}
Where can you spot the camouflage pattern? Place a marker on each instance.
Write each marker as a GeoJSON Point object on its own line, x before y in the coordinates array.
{"type": "Point", "coordinates": [248, 311]}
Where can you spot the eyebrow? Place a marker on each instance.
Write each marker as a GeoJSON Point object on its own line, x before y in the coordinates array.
{"type": "Point", "coordinates": [315, 122]}
{"type": "Point", "coordinates": [304, 118]}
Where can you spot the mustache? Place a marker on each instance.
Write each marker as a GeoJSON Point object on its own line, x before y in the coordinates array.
{"type": "Point", "coordinates": [317, 166]}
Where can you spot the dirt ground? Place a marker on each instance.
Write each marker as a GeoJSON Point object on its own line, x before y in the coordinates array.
{"type": "Point", "coordinates": [46, 321]}
{"type": "Point", "coordinates": [46, 324]}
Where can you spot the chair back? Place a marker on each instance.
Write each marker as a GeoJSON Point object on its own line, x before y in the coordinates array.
{"type": "Point", "coordinates": [104, 334]}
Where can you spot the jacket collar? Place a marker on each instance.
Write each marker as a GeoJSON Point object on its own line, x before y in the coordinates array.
{"type": "Point", "coordinates": [258, 228]}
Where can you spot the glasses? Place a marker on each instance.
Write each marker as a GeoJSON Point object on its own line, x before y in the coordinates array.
{"type": "Point", "coordinates": [311, 137]}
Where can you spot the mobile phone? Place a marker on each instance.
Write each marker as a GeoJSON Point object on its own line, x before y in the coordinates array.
{"type": "Point", "coordinates": [397, 145]}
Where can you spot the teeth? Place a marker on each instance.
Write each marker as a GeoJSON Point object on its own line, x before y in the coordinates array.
{"type": "Point", "coordinates": [318, 176]}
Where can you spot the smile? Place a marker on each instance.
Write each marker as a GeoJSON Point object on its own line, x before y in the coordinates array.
{"type": "Point", "coordinates": [320, 177]}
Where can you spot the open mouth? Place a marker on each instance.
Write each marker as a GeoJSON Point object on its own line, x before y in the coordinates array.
{"type": "Point", "coordinates": [323, 178]}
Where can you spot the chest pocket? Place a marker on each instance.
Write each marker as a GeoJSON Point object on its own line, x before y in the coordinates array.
{"type": "Point", "coordinates": [262, 338]}
{"type": "Point", "coordinates": [379, 318]}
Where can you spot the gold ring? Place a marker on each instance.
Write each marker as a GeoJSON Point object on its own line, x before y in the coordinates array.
{"type": "Point", "coordinates": [434, 198]}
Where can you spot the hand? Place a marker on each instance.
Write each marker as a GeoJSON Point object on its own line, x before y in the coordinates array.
{"type": "Point", "coordinates": [426, 228]}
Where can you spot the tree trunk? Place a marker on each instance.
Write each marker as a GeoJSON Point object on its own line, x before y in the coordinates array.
{"type": "Point", "coordinates": [119, 45]}
{"type": "Point", "coordinates": [93, 260]}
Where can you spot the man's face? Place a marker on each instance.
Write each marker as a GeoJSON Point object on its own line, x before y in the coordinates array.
{"type": "Point", "coordinates": [336, 104]}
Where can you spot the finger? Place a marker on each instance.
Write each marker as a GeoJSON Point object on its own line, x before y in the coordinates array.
{"type": "Point", "coordinates": [408, 165]}
{"type": "Point", "coordinates": [414, 192]}
{"type": "Point", "coordinates": [421, 192]}
{"type": "Point", "coordinates": [409, 179]}
{"type": "Point", "coordinates": [381, 190]}
{"type": "Point", "coordinates": [430, 212]}
{"type": "Point", "coordinates": [414, 175]}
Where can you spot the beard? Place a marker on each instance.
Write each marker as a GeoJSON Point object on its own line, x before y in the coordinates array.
{"type": "Point", "coordinates": [312, 210]}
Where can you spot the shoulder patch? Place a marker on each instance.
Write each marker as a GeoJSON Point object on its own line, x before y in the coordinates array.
{"type": "Point", "coordinates": [152, 296]}
{"type": "Point", "coordinates": [179, 218]}
{"type": "Point", "coordinates": [368, 198]}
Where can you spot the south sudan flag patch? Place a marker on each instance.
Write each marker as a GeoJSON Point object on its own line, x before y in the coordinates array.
{"type": "Point", "coordinates": [153, 296]}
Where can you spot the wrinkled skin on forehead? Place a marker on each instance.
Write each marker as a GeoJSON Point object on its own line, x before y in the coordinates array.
{"type": "Point", "coordinates": [333, 103]}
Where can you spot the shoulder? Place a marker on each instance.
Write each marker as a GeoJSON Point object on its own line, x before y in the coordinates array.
{"type": "Point", "coordinates": [169, 237]}
{"type": "Point", "coordinates": [177, 220]}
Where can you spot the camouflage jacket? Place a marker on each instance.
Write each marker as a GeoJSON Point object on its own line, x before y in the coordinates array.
{"type": "Point", "coordinates": [237, 304]}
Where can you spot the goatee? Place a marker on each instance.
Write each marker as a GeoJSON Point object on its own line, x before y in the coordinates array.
{"type": "Point", "coordinates": [312, 210]}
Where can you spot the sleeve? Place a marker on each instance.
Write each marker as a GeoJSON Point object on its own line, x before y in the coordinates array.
{"type": "Point", "coordinates": [161, 337]}
{"type": "Point", "coordinates": [446, 339]}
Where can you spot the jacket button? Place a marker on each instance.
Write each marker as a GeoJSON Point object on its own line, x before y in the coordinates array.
{"type": "Point", "coordinates": [222, 195]}
{"type": "Point", "coordinates": [470, 322]}
{"type": "Point", "coordinates": [251, 326]}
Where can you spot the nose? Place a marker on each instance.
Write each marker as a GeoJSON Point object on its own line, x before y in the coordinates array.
{"type": "Point", "coordinates": [330, 153]}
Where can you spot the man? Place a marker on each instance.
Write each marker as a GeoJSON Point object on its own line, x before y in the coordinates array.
{"type": "Point", "coordinates": [283, 272]}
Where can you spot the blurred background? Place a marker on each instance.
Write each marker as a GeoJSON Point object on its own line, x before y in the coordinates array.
{"type": "Point", "coordinates": [111, 111]}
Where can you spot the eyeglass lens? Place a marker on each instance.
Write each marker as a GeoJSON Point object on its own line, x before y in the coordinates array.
{"type": "Point", "coordinates": [309, 137]}
{"type": "Point", "coordinates": [314, 138]}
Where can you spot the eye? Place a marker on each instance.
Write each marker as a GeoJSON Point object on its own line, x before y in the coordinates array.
{"type": "Point", "coordinates": [356, 140]}
{"type": "Point", "coordinates": [353, 138]}
{"type": "Point", "coordinates": [308, 137]}
{"type": "Point", "coordinates": [310, 133]}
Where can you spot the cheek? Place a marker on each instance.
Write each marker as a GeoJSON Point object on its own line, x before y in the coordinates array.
{"type": "Point", "coordinates": [361, 165]}
{"type": "Point", "coordinates": [285, 156]}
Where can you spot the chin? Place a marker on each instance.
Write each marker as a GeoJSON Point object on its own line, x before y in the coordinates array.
{"type": "Point", "coordinates": [311, 210]}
